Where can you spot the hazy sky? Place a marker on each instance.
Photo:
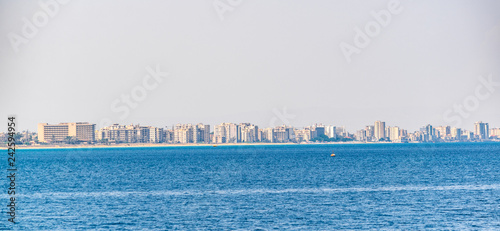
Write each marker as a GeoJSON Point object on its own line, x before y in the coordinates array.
{"type": "Point", "coordinates": [260, 61]}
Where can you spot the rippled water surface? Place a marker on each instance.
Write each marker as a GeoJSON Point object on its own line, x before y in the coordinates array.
{"type": "Point", "coordinates": [366, 186]}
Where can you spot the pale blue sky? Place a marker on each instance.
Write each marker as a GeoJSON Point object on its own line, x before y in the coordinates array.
{"type": "Point", "coordinates": [263, 56]}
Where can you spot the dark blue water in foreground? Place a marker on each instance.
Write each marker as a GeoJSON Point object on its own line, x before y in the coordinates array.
{"type": "Point", "coordinates": [378, 186]}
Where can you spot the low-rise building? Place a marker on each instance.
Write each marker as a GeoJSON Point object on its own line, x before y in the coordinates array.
{"type": "Point", "coordinates": [80, 132]}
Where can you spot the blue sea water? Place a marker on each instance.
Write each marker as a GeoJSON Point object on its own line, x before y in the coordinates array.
{"type": "Point", "coordinates": [292, 187]}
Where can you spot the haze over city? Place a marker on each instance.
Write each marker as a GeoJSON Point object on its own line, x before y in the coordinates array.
{"type": "Point", "coordinates": [261, 62]}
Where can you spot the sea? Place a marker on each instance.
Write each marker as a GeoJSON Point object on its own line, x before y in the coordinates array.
{"type": "Point", "coordinates": [442, 186]}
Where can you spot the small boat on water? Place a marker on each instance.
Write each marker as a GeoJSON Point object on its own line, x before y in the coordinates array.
{"type": "Point", "coordinates": [333, 154]}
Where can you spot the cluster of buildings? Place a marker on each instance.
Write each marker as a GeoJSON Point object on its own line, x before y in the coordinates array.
{"type": "Point", "coordinates": [380, 132]}
{"type": "Point", "coordinates": [250, 133]}
{"type": "Point", "coordinates": [180, 133]}
{"type": "Point", "coordinates": [222, 133]}
{"type": "Point", "coordinates": [83, 132]}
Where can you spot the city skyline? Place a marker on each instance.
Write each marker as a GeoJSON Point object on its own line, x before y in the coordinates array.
{"type": "Point", "coordinates": [78, 132]}
{"type": "Point", "coordinates": [277, 120]}
{"type": "Point", "coordinates": [375, 123]}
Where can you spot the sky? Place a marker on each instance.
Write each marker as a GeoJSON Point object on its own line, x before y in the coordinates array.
{"type": "Point", "coordinates": [159, 63]}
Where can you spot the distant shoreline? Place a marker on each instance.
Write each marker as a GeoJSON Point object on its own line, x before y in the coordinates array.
{"type": "Point", "coordinates": [137, 145]}
{"type": "Point", "coordinates": [149, 145]}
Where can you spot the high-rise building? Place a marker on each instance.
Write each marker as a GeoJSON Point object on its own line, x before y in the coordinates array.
{"type": "Point", "coordinates": [495, 132]}
{"type": "Point", "coordinates": [429, 133]}
{"type": "Point", "coordinates": [481, 130]}
{"type": "Point", "coordinates": [444, 131]}
{"type": "Point", "coordinates": [303, 135]}
{"type": "Point", "coordinates": [156, 135]}
{"type": "Point", "coordinates": [219, 134]}
{"type": "Point", "coordinates": [318, 130]}
{"type": "Point", "coordinates": [456, 133]}
{"type": "Point", "coordinates": [206, 133]}
{"type": "Point", "coordinates": [361, 135]}
{"type": "Point", "coordinates": [188, 133]}
{"type": "Point", "coordinates": [81, 131]}
{"type": "Point", "coordinates": [52, 133]}
{"type": "Point", "coordinates": [370, 132]}
{"type": "Point", "coordinates": [260, 135]}
{"type": "Point", "coordinates": [248, 133]}
{"type": "Point", "coordinates": [395, 134]}
{"type": "Point", "coordinates": [388, 132]}
{"type": "Point", "coordinates": [403, 134]}
{"type": "Point", "coordinates": [168, 136]}
{"type": "Point", "coordinates": [330, 131]}
{"type": "Point", "coordinates": [232, 133]}
{"type": "Point", "coordinates": [201, 133]}
{"type": "Point", "coordinates": [268, 135]}
{"type": "Point", "coordinates": [143, 133]}
{"type": "Point", "coordinates": [379, 130]}
{"type": "Point", "coordinates": [283, 134]}
{"type": "Point", "coordinates": [226, 133]}
{"type": "Point", "coordinates": [125, 133]}
{"type": "Point", "coordinates": [84, 131]}
{"type": "Point", "coordinates": [183, 133]}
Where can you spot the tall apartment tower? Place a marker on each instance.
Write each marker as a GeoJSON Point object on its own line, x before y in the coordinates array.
{"type": "Point", "coordinates": [370, 132]}
{"type": "Point", "coordinates": [156, 135]}
{"type": "Point", "coordinates": [395, 134]}
{"type": "Point", "coordinates": [226, 133]}
{"type": "Point", "coordinates": [481, 130]}
{"type": "Point", "coordinates": [330, 131]}
{"type": "Point", "coordinates": [456, 133]}
{"type": "Point", "coordinates": [379, 130]}
{"type": "Point", "coordinates": [206, 133]}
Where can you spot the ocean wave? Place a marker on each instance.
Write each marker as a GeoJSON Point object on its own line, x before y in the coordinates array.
{"type": "Point", "coordinates": [257, 191]}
